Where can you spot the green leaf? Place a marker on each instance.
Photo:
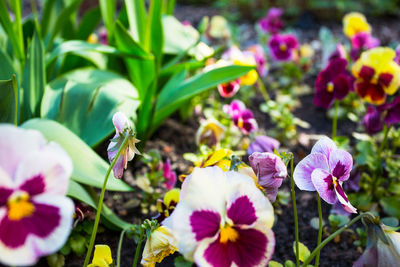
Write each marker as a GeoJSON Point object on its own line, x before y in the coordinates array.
{"type": "Point", "coordinates": [78, 47]}
{"type": "Point", "coordinates": [88, 23]}
{"type": "Point", "coordinates": [47, 16]}
{"type": "Point", "coordinates": [78, 192]}
{"type": "Point", "coordinates": [274, 264]}
{"type": "Point", "coordinates": [154, 33]}
{"type": "Point", "coordinates": [9, 101]}
{"type": "Point", "coordinates": [181, 262]}
{"type": "Point", "coordinates": [7, 68]}
{"type": "Point", "coordinates": [304, 252]}
{"type": "Point", "coordinates": [85, 101]}
{"type": "Point", "coordinates": [390, 206]}
{"type": "Point", "coordinates": [289, 263]}
{"type": "Point", "coordinates": [172, 97]}
{"type": "Point", "coordinates": [78, 244]}
{"type": "Point", "coordinates": [136, 13]}
{"type": "Point", "coordinates": [177, 37]}
{"type": "Point", "coordinates": [34, 79]}
{"type": "Point", "coordinates": [107, 8]}
{"type": "Point", "coordinates": [13, 34]}
{"type": "Point", "coordinates": [89, 168]}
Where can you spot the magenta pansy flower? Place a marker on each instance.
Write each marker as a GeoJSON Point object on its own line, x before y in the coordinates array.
{"type": "Point", "coordinates": [324, 171]}
{"type": "Point", "coordinates": [222, 220]}
{"type": "Point", "coordinates": [272, 22]}
{"type": "Point", "coordinates": [169, 175]}
{"type": "Point", "coordinates": [391, 111]}
{"type": "Point", "coordinates": [332, 83]}
{"type": "Point", "coordinates": [340, 52]}
{"type": "Point", "coordinates": [242, 117]}
{"type": "Point", "coordinates": [376, 117]}
{"type": "Point", "coordinates": [282, 46]}
{"type": "Point", "coordinates": [372, 121]}
{"type": "Point", "coordinates": [270, 171]}
{"type": "Point", "coordinates": [397, 58]}
{"type": "Point", "coordinates": [35, 215]}
{"type": "Point", "coordinates": [263, 143]}
{"type": "Point", "coordinates": [122, 128]}
{"type": "Point", "coordinates": [229, 89]}
{"type": "Point", "coordinates": [360, 42]}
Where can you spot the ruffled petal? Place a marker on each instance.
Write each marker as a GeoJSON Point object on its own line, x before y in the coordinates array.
{"type": "Point", "coordinates": [341, 196]}
{"type": "Point", "coordinates": [302, 172]}
{"type": "Point", "coordinates": [341, 163]}
{"type": "Point", "coordinates": [323, 183]}
{"type": "Point", "coordinates": [324, 146]}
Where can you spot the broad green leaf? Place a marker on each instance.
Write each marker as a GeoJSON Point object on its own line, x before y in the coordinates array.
{"type": "Point", "coordinates": [289, 263]}
{"type": "Point", "coordinates": [274, 264]}
{"type": "Point", "coordinates": [391, 206]}
{"type": "Point", "coordinates": [7, 67]}
{"type": "Point", "coordinates": [77, 191]}
{"type": "Point", "coordinates": [89, 168]}
{"type": "Point", "coordinates": [85, 101]}
{"type": "Point", "coordinates": [141, 72]}
{"type": "Point", "coordinates": [107, 9]}
{"type": "Point", "coordinates": [171, 98]}
{"type": "Point", "coordinates": [170, 7]}
{"type": "Point", "coordinates": [304, 252]}
{"type": "Point", "coordinates": [136, 13]}
{"type": "Point", "coordinates": [9, 101]}
{"type": "Point", "coordinates": [154, 32]}
{"type": "Point", "coordinates": [62, 20]}
{"type": "Point", "coordinates": [34, 79]}
{"type": "Point", "coordinates": [88, 23]}
{"type": "Point", "coordinates": [78, 47]}
{"type": "Point", "coordinates": [47, 15]}
{"type": "Point", "coordinates": [9, 29]}
{"type": "Point", "coordinates": [177, 37]}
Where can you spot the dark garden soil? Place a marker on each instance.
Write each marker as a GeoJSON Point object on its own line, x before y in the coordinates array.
{"type": "Point", "coordinates": [175, 138]}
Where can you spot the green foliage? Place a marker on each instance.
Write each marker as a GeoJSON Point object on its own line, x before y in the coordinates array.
{"type": "Point", "coordinates": [304, 252]}
{"type": "Point", "coordinates": [9, 100]}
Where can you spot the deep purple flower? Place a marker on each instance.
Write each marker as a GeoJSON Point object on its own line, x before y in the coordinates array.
{"type": "Point", "coordinates": [272, 22]}
{"type": "Point", "coordinates": [282, 46]}
{"type": "Point", "coordinates": [392, 114]}
{"type": "Point", "coordinates": [332, 83]}
{"type": "Point", "coordinates": [263, 143]}
{"type": "Point", "coordinates": [340, 52]}
{"type": "Point", "coordinates": [169, 175]}
{"type": "Point", "coordinates": [35, 215]}
{"type": "Point", "coordinates": [270, 171]}
{"type": "Point", "coordinates": [103, 36]}
{"type": "Point", "coordinates": [242, 117]}
{"type": "Point", "coordinates": [372, 121]}
{"type": "Point", "coordinates": [260, 58]}
{"type": "Point", "coordinates": [324, 171]}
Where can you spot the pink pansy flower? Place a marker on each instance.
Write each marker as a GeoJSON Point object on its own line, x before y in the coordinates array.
{"type": "Point", "coordinates": [263, 143]}
{"type": "Point", "coordinates": [332, 83]}
{"type": "Point", "coordinates": [242, 117]}
{"type": "Point", "coordinates": [229, 89]}
{"type": "Point", "coordinates": [35, 215]}
{"type": "Point", "coordinates": [222, 220]}
{"type": "Point", "coordinates": [122, 128]}
{"type": "Point", "coordinates": [282, 46]}
{"type": "Point", "coordinates": [169, 175]}
{"type": "Point", "coordinates": [362, 41]}
{"type": "Point", "coordinates": [260, 58]}
{"type": "Point", "coordinates": [324, 171]}
{"type": "Point", "coordinates": [270, 171]}
{"type": "Point", "coordinates": [272, 22]}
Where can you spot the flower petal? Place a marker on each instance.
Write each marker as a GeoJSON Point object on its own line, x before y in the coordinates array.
{"type": "Point", "coordinates": [205, 223]}
{"type": "Point", "coordinates": [302, 172]}
{"type": "Point", "coordinates": [242, 211]}
{"type": "Point", "coordinates": [322, 181]}
{"type": "Point", "coordinates": [324, 146]}
{"type": "Point", "coordinates": [341, 163]}
{"type": "Point", "coordinates": [344, 200]}
{"type": "Point", "coordinates": [45, 170]}
{"type": "Point", "coordinates": [120, 122]}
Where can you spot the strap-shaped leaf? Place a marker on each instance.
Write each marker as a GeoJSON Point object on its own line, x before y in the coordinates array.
{"type": "Point", "coordinates": [9, 101]}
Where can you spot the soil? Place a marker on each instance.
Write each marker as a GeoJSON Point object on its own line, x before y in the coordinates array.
{"type": "Point", "coordinates": [174, 138]}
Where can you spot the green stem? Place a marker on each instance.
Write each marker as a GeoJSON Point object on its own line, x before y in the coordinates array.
{"type": "Point", "coordinates": [263, 90]}
{"type": "Point", "coordinates": [121, 239]}
{"type": "Point", "coordinates": [138, 247]}
{"type": "Point", "coordinates": [334, 121]}
{"type": "Point", "coordinates": [319, 230]}
{"type": "Point", "coordinates": [384, 142]}
{"type": "Point", "coordinates": [296, 224]}
{"type": "Point", "coordinates": [332, 236]}
{"type": "Point", "coordinates": [100, 205]}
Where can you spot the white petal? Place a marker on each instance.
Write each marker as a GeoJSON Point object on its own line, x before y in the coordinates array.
{"type": "Point", "coordinates": [324, 146]}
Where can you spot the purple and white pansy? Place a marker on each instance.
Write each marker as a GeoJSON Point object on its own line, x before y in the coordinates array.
{"type": "Point", "coordinates": [35, 215]}
{"type": "Point", "coordinates": [324, 171]}
{"type": "Point", "coordinates": [222, 219]}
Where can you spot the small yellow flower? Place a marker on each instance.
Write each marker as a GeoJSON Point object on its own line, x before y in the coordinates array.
{"type": "Point", "coordinates": [306, 51]}
{"type": "Point", "coordinates": [93, 39]}
{"type": "Point", "coordinates": [246, 60]}
{"type": "Point", "coordinates": [102, 256]}
{"type": "Point", "coordinates": [159, 245]}
{"type": "Point", "coordinates": [210, 132]}
{"type": "Point", "coordinates": [217, 158]}
{"type": "Point", "coordinates": [354, 23]}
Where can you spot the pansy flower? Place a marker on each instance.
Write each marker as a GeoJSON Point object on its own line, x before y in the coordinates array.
{"type": "Point", "coordinates": [282, 46]}
{"type": "Point", "coordinates": [372, 121]}
{"type": "Point", "coordinates": [354, 23]}
{"type": "Point", "coordinates": [229, 89]}
{"type": "Point", "coordinates": [167, 205]}
{"type": "Point", "coordinates": [272, 22]}
{"type": "Point", "coordinates": [260, 58]}
{"type": "Point", "coordinates": [169, 175]}
{"type": "Point", "coordinates": [391, 111]}
{"type": "Point", "coordinates": [242, 117]}
{"type": "Point", "coordinates": [332, 83]}
{"type": "Point", "coordinates": [263, 143]}
{"type": "Point", "coordinates": [360, 42]}
{"type": "Point", "coordinates": [122, 128]}
{"type": "Point", "coordinates": [339, 52]}
{"type": "Point", "coordinates": [35, 215]}
{"type": "Point", "coordinates": [377, 74]}
{"type": "Point", "coordinates": [324, 171]}
{"type": "Point", "coordinates": [210, 132]}
{"type": "Point", "coordinates": [222, 220]}
{"type": "Point", "coordinates": [102, 256]}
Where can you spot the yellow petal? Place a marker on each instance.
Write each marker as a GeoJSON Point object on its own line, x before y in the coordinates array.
{"type": "Point", "coordinates": [217, 156]}
{"type": "Point", "coordinates": [102, 256]}
{"type": "Point", "coordinates": [354, 23]}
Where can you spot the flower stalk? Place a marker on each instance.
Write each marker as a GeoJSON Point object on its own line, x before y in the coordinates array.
{"type": "Point", "coordinates": [296, 224]}
{"type": "Point", "coordinates": [100, 204]}
{"type": "Point", "coordinates": [319, 229]}
{"type": "Point", "coordinates": [138, 247]}
{"type": "Point", "coordinates": [121, 239]}
{"type": "Point", "coordinates": [334, 122]}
